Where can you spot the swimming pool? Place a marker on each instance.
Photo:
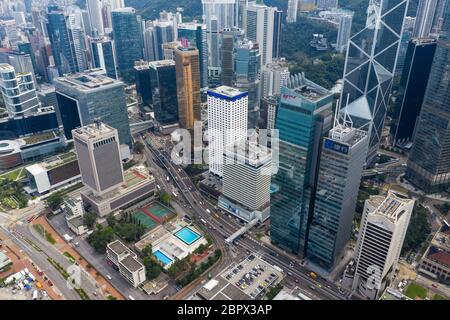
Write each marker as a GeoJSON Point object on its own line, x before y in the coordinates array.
{"type": "Point", "coordinates": [162, 257]}
{"type": "Point", "coordinates": [187, 235]}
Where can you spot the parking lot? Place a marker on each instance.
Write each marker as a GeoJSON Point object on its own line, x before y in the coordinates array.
{"type": "Point", "coordinates": [252, 276]}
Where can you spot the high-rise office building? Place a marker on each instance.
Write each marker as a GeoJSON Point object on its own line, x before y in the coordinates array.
{"type": "Point", "coordinates": [163, 85]}
{"type": "Point", "coordinates": [242, 13]}
{"type": "Point", "coordinates": [227, 123]}
{"type": "Point", "coordinates": [94, 8]}
{"type": "Point", "coordinates": [98, 153]}
{"type": "Point", "coordinates": [149, 44]}
{"type": "Point", "coordinates": [21, 62]}
{"type": "Point", "coordinates": [188, 86]}
{"type": "Point", "coordinates": [382, 233]}
{"type": "Point", "coordinates": [341, 164]}
{"type": "Point", "coordinates": [247, 66]}
{"type": "Point", "coordinates": [429, 160]}
{"type": "Point", "coordinates": [247, 172]}
{"type": "Point", "coordinates": [143, 84]}
{"type": "Point", "coordinates": [18, 91]}
{"type": "Point", "coordinates": [230, 36]}
{"type": "Point", "coordinates": [292, 11]}
{"type": "Point", "coordinates": [194, 34]}
{"type": "Point", "coordinates": [408, 30]}
{"type": "Point", "coordinates": [26, 48]}
{"type": "Point", "coordinates": [88, 96]}
{"type": "Point", "coordinates": [274, 76]}
{"type": "Point", "coordinates": [127, 35]}
{"type": "Point", "coordinates": [303, 118]}
{"type": "Point", "coordinates": [429, 18]}
{"type": "Point", "coordinates": [411, 92]}
{"type": "Point", "coordinates": [62, 46]}
{"type": "Point", "coordinates": [163, 32]}
{"type": "Point", "coordinates": [264, 27]}
{"type": "Point", "coordinates": [370, 66]}
{"type": "Point", "coordinates": [344, 32]}
{"type": "Point", "coordinates": [217, 15]}
{"type": "Point", "coordinates": [326, 4]}
{"type": "Point", "coordinates": [103, 56]}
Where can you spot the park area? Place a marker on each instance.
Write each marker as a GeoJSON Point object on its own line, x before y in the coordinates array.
{"type": "Point", "coordinates": [417, 292]}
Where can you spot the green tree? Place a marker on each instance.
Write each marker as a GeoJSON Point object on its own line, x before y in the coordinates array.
{"type": "Point", "coordinates": [100, 238]}
{"type": "Point", "coordinates": [165, 198]}
{"type": "Point", "coordinates": [55, 200]}
{"type": "Point", "coordinates": [139, 147]}
{"type": "Point", "coordinates": [89, 219]}
{"type": "Point", "coordinates": [418, 229]}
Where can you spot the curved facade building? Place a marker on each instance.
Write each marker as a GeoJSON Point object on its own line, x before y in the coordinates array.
{"type": "Point", "coordinates": [10, 154]}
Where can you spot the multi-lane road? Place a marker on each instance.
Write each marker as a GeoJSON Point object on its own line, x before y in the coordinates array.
{"type": "Point", "coordinates": [221, 227]}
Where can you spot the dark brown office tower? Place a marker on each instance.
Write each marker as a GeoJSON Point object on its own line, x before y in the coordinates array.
{"type": "Point", "coordinates": [229, 38]}
{"type": "Point", "coordinates": [188, 84]}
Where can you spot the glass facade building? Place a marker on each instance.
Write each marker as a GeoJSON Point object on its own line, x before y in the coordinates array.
{"type": "Point", "coordinates": [370, 66]}
{"type": "Point", "coordinates": [163, 84]}
{"type": "Point", "coordinates": [413, 85]}
{"type": "Point", "coordinates": [63, 49]}
{"type": "Point", "coordinates": [247, 67]}
{"type": "Point", "coordinates": [103, 56]}
{"type": "Point", "coordinates": [128, 41]}
{"type": "Point", "coordinates": [85, 97]}
{"type": "Point", "coordinates": [341, 164]}
{"type": "Point", "coordinates": [195, 34]}
{"type": "Point", "coordinates": [429, 160]}
{"type": "Point", "coordinates": [303, 117]}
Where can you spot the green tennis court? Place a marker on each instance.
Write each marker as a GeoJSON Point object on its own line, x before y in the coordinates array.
{"type": "Point", "coordinates": [145, 220]}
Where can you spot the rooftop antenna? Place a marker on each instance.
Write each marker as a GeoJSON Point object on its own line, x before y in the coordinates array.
{"type": "Point", "coordinates": [347, 119]}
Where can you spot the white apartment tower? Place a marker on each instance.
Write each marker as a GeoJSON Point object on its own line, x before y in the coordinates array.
{"type": "Point", "coordinates": [97, 149]}
{"type": "Point", "coordinates": [94, 8]}
{"type": "Point", "coordinates": [292, 10]}
{"type": "Point", "coordinates": [274, 75]}
{"type": "Point", "coordinates": [18, 90]}
{"type": "Point", "coordinates": [227, 123]}
{"type": "Point", "coordinates": [382, 232]}
{"type": "Point", "coordinates": [344, 32]}
{"type": "Point", "coordinates": [262, 27]}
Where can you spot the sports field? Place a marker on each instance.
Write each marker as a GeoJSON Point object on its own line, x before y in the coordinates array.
{"type": "Point", "coordinates": [133, 177]}
{"type": "Point", "coordinates": [145, 220]}
{"type": "Point", "coordinates": [158, 212]}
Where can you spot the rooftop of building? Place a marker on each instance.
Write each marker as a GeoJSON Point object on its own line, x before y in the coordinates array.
{"type": "Point", "coordinates": [250, 152]}
{"type": "Point", "coordinates": [131, 263]}
{"type": "Point", "coordinates": [161, 63]}
{"type": "Point", "coordinates": [439, 255]}
{"type": "Point", "coordinates": [347, 134]}
{"type": "Point", "coordinates": [118, 247]}
{"type": "Point", "coordinates": [306, 88]}
{"type": "Point", "coordinates": [191, 25]}
{"type": "Point", "coordinates": [5, 67]}
{"type": "Point", "coordinates": [133, 179]}
{"type": "Point", "coordinates": [87, 80]}
{"type": "Point", "coordinates": [227, 92]}
{"type": "Point", "coordinates": [125, 10]}
{"type": "Point", "coordinates": [391, 206]}
{"type": "Point", "coordinates": [77, 222]}
{"type": "Point", "coordinates": [280, 64]}
{"type": "Point", "coordinates": [94, 130]}
{"type": "Point", "coordinates": [39, 137]}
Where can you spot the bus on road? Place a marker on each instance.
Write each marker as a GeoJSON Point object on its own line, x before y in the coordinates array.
{"type": "Point", "coordinates": [203, 221]}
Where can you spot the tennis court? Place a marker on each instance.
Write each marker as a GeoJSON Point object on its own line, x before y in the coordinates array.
{"type": "Point", "coordinates": [133, 177]}
{"type": "Point", "coordinates": [158, 212]}
{"type": "Point", "coordinates": [145, 220]}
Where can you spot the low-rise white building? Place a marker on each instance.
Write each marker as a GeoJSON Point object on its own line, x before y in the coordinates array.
{"type": "Point", "coordinates": [126, 261]}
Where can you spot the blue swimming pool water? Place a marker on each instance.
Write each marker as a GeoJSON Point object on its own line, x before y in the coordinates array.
{"type": "Point", "coordinates": [187, 235]}
{"type": "Point", "coordinates": [162, 257]}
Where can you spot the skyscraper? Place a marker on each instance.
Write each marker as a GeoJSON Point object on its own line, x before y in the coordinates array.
{"type": "Point", "coordinates": [263, 26]}
{"type": "Point", "coordinates": [344, 32]}
{"type": "Point", "coordinates": [247, 66]}
{"type": "Point", "coordinates": [61, 41]}
{"type": "Point", "coordinates": [412, 88]}
{"type": "Point", "coordinates": [292, 11]}
{"type": "Point", "coordinates": [163, 86]}
{"type": "Point", "coordinates": [18, 91]}
{"type": "Point", "coordinates": [188, 86]}
{"type": "Point", "coordinates": [94, 8]}
{"type": "Point", "coordinates": [195, 34]}
{"type": "Point", "coordinates": [429, 15]}
{"type": "Point", "coordinates": [227, 123]}
{"type": "Point", "coordinates": [429, 160]}
{"type": "Point", "coordinates": [97, 149]}
{"type": "Point", "coordinates": [103, 56]}
{"type": "Point", "coordinates": [230, 36]}
{"type": "Point", "coordinates": [341, 164]}
{"type": "Point", "coordinates": [370, 66]}
{"type": "Point", "coordinates": [163, 32]}
{"type": "Point", "coordinates": [383, 228]}
{"type": "Point", "coordinates": [303, 117]}
{"type": "Point", "coordinates": [217, 15]}
{"type": "Point", "coordinates": [127, 34]}
{"type": "Point", "coordinates": [274, 76]}
{"type": "Point", "coordinates": [85, 97]}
